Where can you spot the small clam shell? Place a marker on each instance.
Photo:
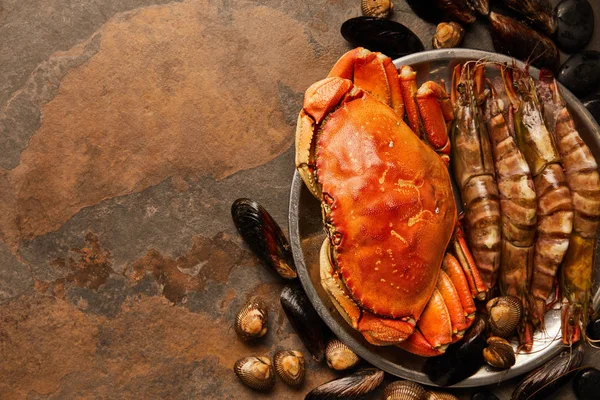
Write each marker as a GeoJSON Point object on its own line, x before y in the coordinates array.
{"type": "Point", "coordinates": [499, 353]}
{"type": "Point", "coordinates": [505, 313]}
{"type": "Point", "coordinates": [255, 372]}
{"type": "Point", "coordinates": [404, 390]}
{"type": "Point", "coordinates": [350, 387]}
{"type": "Point", "coordinates": [376, 8]}
{"type": "Point", "coordinates": [448, 34]}
{"type": "Point", "coordinates": [251, 320]}
{"type": "Point", "coordinates": [339, 356]}
{"type": "Point", "coordinates": [433, 395]}
{"type": "Point", "coordinates": [289, 365]}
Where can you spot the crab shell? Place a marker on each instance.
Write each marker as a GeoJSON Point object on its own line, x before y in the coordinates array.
{"type": "Point", "coordinates": [387, 204]}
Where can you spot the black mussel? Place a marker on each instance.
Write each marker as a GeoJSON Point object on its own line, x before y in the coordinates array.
{"type": "Point", "coordinates": [461, 359]}
{"type": "Point", "coordinates": [586, 384]}
{"type": "Point", "coordinates": [448, 34]}
{"type": "Point", "coordinates": [481, 6]}
{"type": "Point", "coordinates": [436, 395]}
{"type": "Point", "coordinates": [404, 390]}
{"type": "Point", "coordinates": [456, 10]}
{"type": "Point", "coordinates": [376, 8]}
{"type": "Point", "coordinates": [349, 387]}
{"type": "Point", "coordinates": [484, 396]}
{"type": "Point", "coordinates": [305, 320]}
{"type": "Point", "coordinates": [545, 380]}
{"type": "Point", "coordinates": [251, 320]}
{"type": "Point", "coordinates": [264, 237]}
{"type": "Point", "coordinates": [289, 365]}
{"type": "Point", "coordinates": [504, 315]}
{"type": "Point", "coordinates": [339, 356]}
{"type": "Point", "coordinates": [581, 73]}
{"type": "Point", "coordinates": [575, 25]}
{"type": "Point", "coordinates": [383, 35]}
{"type": "Point", "coordinates": [255, 372]}
{"type": "Point", "coordinates": [538, 13]}
{"type": "Point", "coordinates": [592, 104]}
{"type": "Point", "coordinates": [520, 41]}
{"type": "Point", "coordinates": [499, 353]}
{"type": "Point", "coordinates": [593, 328]}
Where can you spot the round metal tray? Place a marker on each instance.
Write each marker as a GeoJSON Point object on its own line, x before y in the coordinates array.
{"type": "Point", "coordinates": [306, 234]}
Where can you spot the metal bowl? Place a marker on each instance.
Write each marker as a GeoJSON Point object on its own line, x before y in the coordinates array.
{"type": "Point", "coordinates": [306, 234]}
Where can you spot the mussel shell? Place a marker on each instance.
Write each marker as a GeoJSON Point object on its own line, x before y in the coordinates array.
{"type": "Point", "coordinates": [404, 390]}
{"type": "Point", "coordinates": [339, 356]}
{"type": "Point", "coordinates": [592, 104]}
{"type": "Point", "coordinates": [447, 35]}
{"type": "Point", "coordinates": [575, 24]}
{"type": "Point", "coordinates": [304, 319]}
{"type": "Point", "coordinates": [264, 236]}
{"type": "Point", "coordinates": [289, 365]}
{"type": "Point", "coordinates": [586, 384]}
{"type": "Point", "coordinates": [255, 372]}
{"type": "Point", "coordinates": [538, 13]}
{"type": "Point", "coordinates": [376, 8]}
{"type": "Point", "coordinates": [388, 37]}
{"type": "Point", "coordinates": [350, 387]}
{"type": "Point", "coordinates": [593, 328]}
{"type": "Point", "coordinates": [461, 359]}
{"type": "Point", "coordinates": [520, 41]}
{"type": "Point", "coordinates": [499, 353]}
{"type": "Point", "coordinates": [251, 320]}
{"type": "Point", "coordinates": [504, 315]}
{"type": "Point", "coordinates": [435, 395]}
{"type": "Point", "coordinates": [484, 396]}
{"type": "Point", "coordinates": [581, 73]}
{"type": "Point", "coordinates": [481, 6]}
{"type": "Point", "coordinates": [545, 380]}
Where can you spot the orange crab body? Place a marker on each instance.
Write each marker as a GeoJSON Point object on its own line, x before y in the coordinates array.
{"type": "Point", "coordinates": [389, 212]}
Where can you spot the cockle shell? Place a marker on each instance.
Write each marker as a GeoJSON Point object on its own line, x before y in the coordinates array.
{"type": "Point", "coordinates": [251, 320]}
{"type": "Point", "coordinates": [505, 313]}
{"type": "Point", "coordinates": [376, 8]}
{"type": "Point", "coordinates": [255, 372]}
{"type": "Point", "coordinates": [499, 353]}
{"type": "Point", "coordinates": [339, 356]}
{"type": "Point", "coordinates": [289, 365]}
{"type": "Point", "coordinates": [404, 390]}
{"type": "Point", "coordinates": [433, 395]}
{"type": "Point", "coordinates": [448, 34]}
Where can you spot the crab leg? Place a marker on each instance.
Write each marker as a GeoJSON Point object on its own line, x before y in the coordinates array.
{"type": "Point", "coordinates": [583, 179]}
{"type": "Point", "coordinates": [453, 303]}
{"type": "Point", "coordinates": [373, 72]}
{"type": "Point", "coordinates": [436, 113]}
{"type": "Point", "coordinates": [453, 269]}
{"type": "Point", "coordinates": [408, 88]}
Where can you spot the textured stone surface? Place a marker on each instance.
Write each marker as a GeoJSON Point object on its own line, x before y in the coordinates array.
{"type": "Point", "coordinates": [127, 129]}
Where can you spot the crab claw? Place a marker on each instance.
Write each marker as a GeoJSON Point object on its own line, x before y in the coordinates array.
{"type": "Point", "coordinates": [436, 112]}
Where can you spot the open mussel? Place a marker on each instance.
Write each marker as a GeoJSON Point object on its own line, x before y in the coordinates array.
{"type": "Point", "coordinates": [404, 390]}
{"type": "Point", "coordinates": [255, 372]}
{"type": "Point", "coordinates": [499, 353]}
{"type": "Point", "coordinates": [461, 359]}
{"type": "Point", "coordinates": [575, 24]}
{"type": "Point", "coordinates": [538, 13]}
{"type": "Point", "coordinates": [304, 319]}
{"type": "Point", "coordinates": [264, 237]}
{"type": "Point", "coordinates": [586, 384]}
{"type": "Point", "coordinates": [289, 365]}
{"type": "Point", "coordinates": [448, 34]}
{"type": "Point", "coordinates": [376, 8]}
{"type": "Point", "coordinates": [339, 356]}
{"type": "Point", "coordinates": [251, 320]}
{"type": "Point", "coordinates": [388, 37]}
{"type": "Point", "coordinates": [545, 380]}
{"type": "Point", "coordinates": [504, 315]}
{"type": "Point", "coordinates": [520, 41]}
{"type": "Point", "coordinates": [581, 73]}
{"type": "Point", "coordinates": [350, 387]}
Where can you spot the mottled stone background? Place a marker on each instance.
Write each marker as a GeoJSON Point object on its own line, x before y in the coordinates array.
{"type": "Point", "coordinates": [127, 129]}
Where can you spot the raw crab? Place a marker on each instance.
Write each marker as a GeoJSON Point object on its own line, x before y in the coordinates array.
{"type": "Point", "coordinates": [387, 204]}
